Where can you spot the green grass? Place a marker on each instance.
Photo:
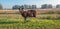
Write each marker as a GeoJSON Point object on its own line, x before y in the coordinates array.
{"type": "Point", "coordinates": [31, 23]}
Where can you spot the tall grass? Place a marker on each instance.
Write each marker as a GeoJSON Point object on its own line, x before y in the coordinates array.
{"type": "Point", "coordinates": [31, 23]}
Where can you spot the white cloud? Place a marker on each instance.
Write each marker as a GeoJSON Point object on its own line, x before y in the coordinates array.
{"type": "Point", "coordinates": [55, 2]}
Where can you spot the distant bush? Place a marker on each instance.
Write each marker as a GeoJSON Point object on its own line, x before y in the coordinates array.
{"type": "Point", "coordinates": [9, 13]}
{"type": "Point", "coordinates": [47, 17]}
{"type": "Point", "coordinates": [58, 17]}
{"type": "Point", "coordinates": [58, 12]}
{"type": "Point", "coordinates": [49, 12]}
{"type": "Point", "coordinates": [50, 17]}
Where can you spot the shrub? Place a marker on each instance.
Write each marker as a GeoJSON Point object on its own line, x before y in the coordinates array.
{"type": "Point", "coordinates": [58, 17]}
{"type": "Point", "coordinates": [58, 12]}
{"type": "Point", "coordinates": [47, 17]}
{"type": "Point", "coordinates": [49, 12]}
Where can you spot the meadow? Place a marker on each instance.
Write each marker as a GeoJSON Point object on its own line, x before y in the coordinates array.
{"type": "Point", "coordinates": [16, 21]}
{"type": "Point", "coordinates": [42, 21]}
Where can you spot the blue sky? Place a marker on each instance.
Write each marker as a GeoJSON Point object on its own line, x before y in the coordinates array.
{"type": "Point", "coordinates": [10, 3]}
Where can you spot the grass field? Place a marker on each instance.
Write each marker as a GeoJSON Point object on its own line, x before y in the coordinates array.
{"type": "Point", "coordinates": [16, 21]}
{"type": "Point", "coordinates": [11, 19]}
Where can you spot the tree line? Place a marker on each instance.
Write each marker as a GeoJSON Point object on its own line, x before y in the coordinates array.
{"type": "Point", "coordinates": [44, 6]}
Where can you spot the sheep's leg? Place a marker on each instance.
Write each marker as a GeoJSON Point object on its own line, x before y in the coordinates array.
{"type": "Point", "coordinates": [34, 14]}
{"type": "Point", "coordinates": [25, 20]}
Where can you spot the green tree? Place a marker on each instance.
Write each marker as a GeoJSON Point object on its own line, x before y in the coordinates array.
{"type": "Point", "coordinates": [1, 7]}
{"type": "Point", "coordinates": [16, 7]}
